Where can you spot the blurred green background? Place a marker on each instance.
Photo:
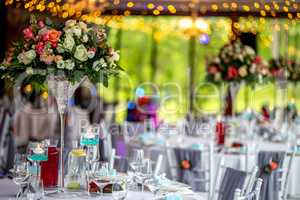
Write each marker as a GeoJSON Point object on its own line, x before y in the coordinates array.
{"type": "Point", "coordinates": [155, 49]}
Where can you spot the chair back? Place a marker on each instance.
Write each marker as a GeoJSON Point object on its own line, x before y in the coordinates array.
{"type": "Point", "coordinates": [231, 180]}
{"type": "Point", "coordinates": [287, 172]}
{"type": "Point", "coordinates": [252, 195]}
{"type": "Point", "coordinates": [186, 165]}
{"type": "Point", "coordinates": [272, 181]}
{"type": "Point", "coordinates": [250, 181]}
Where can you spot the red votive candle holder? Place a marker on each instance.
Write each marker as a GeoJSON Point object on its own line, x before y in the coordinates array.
{"type": "Point", "coordinates": [49, 168]}
{"type": "Point", "coordinates": [220, 133]}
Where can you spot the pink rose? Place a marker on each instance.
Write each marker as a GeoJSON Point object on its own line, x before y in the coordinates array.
{"type": "Point", "coordinates": [41, 24]}
{"type": "Point", "coordinates": [45, 37]}
{"type": "Point", "coordinates": [39, 48]}
{"type": "Point", "coordinates": [213, 69]}
{"type": "Point", "coordinates": [92, 49]}
{"type": "Point", "coordinates": [47, 59]}
{"type": "Point", "coordinates": [28, 33]}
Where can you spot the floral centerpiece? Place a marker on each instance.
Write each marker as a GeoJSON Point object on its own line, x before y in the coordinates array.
{"type": "Point", "coordinates": [232, 64]}
{"type": "Point", "coordinates": [61, 56]}
{"type": "Point", "coordinates": [284, 69]}
{"type": "Point", "coordinates": [74, 48]}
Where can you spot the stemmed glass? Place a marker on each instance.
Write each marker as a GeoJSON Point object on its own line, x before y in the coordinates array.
{"type": "Point", "coordinates": [20, 173]}
{"type": "Point", "coordinates": [135, 165]}
{"type": "Point", "coordinates": [136, 160]}
{"type": "Point", "coordinates": [36, 153]}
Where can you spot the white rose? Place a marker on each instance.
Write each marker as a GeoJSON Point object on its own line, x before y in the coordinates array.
{"type": "Point", "coordinates": [98, 64]}
{"type": "Point", "coordinates": [60, 48]}
{"type": "Point", "coordinates": [85, 38]}
{"type": "Point", "coordinates": [81, 53]}
{"type": "Point", "coordinates": [70, 23]}
{"type": "Point", "coordinates": [69, 64]}
{"type": "Point", "coordinates": [114, 57]}
{"type": "Point", "coordinates": [61, 64]}
{"type": "Point", "coordinates": [83, 26]}
{"type": "Point", "coordinates": [76, 30]}
{"type": "Point", "coordinates": [91, 54]}
{"type": "Point", "coordinates": [69, 42]}
{"type": "Point", "coordinates": [27, 57]}
{"type": "Point", "coordinates": [29, 70]}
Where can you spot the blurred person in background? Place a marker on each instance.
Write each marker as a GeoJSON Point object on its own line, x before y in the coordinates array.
{"type": "Point", "coordinates": [33, 121]}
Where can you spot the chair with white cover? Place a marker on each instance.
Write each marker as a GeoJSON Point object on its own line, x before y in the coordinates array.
{"type": "Point", "coordinates": [252, 195]}
{"type": "Point", "coordinates": [199, 177]}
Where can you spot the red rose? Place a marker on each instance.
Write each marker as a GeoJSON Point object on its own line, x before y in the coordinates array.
{"type": "Point", "coordinates": [28, 33]}
{"type": "Point", "coordinates": [257, 60]}
{"type": "Point", "coordinates": [213, 69]}
{"type": "Point", "coordinates": [54, 45]}
{"type": "Point", "coordinates": [39, 48]}
{"type": "Point", "coordinates": [232, 73]}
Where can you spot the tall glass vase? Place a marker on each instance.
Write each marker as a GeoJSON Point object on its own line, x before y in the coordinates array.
{"type": "Point", "coordinates": [62, 90]}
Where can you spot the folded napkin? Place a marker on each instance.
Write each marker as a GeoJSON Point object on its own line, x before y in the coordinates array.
{"type": "Point", "coordinates": [173, 196]}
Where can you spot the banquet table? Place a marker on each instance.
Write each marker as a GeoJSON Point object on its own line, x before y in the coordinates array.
{"type": "Point", "coordinates": [8, 191]}
{"type": "Point", "coordinates": [235, 159]}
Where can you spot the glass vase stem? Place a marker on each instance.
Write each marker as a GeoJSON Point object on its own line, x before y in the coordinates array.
{"type": "Point", "coordinates": [62, 143]}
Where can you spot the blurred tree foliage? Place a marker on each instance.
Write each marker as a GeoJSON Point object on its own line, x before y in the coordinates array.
{"type": "Point", "coordinates": [171, 80]}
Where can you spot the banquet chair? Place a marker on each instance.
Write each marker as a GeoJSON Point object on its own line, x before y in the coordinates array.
{"type": "Point", "coordinates": [226, 181]}
{"type": "Point", "coordinates": [272, 187]}
{"type": "Point", "coordinates": [250, 181]}
{"type": "Point", "coordinates": [287, 176]}
{"type": "Point", "coordinates": [198, 177]}
{"type": "Point", "coordinates": [252, 195]}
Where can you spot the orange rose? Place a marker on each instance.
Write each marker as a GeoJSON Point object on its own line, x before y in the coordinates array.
{"type": "Point", "coordinates": [54, 35]}
{"type": "Point", "coordinates": [185, 164]}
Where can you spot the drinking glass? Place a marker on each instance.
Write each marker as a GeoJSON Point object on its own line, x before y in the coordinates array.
{"type": "Point", "coordinates": [36, 153]}
{"type": "Point", "coordinates": [119, 190]}
{"type": "Point", "coordinates": [76, 173]}
{"type": "Point", "coordinates": [20, 172]}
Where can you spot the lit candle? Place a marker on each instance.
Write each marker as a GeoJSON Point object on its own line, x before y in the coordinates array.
{"type": "Point", "coordinates": [38, 149]}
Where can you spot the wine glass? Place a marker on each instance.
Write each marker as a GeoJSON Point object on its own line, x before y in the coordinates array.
{"type": "Point", "coordinates": [119, 190]}
{"type": "Point", "coordinates": [20, 173]}
{"type": "Point", "coordinates": [37, 152]}
{"type": "Point", "coordinates": [146, 172]}
{"type": "Point", "coordinates": [136, 160]}
{"type": "Point", "coordinates": [135, 165]}
{"type": "Point", "coordinates": [35, 190]}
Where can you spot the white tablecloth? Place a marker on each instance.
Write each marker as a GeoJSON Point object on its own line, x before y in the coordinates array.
{"type": "Point", "coordinates": [8, 191]}
{"type": "Point", "coordinates": [233, 160]}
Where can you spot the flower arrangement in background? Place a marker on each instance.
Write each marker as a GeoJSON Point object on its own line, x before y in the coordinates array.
{"type": "Point", "coordinates": [233, 64]}
{"type": "Point", "coordinates": [293, 71]}
{"type": "Point", "coordinates": [260, 70]}
{"type": "Point", "coordinates": [277, 68]}
{"type": "Point", "coordinates": [75, 48]}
